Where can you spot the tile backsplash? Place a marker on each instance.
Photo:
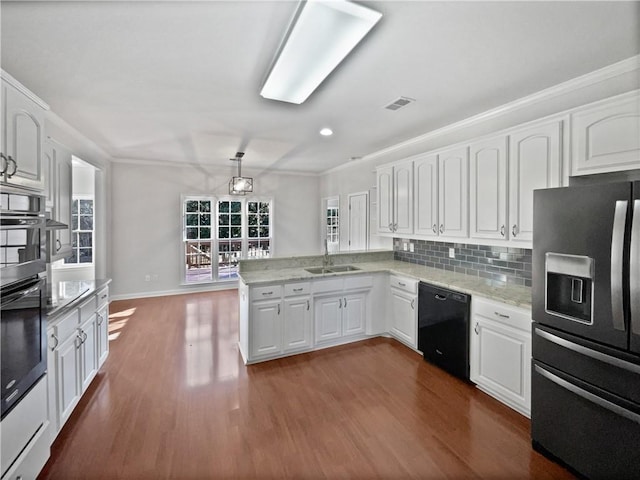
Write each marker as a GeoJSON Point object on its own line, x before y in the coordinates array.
{"type": "Point", "coordinates": [503, 264]}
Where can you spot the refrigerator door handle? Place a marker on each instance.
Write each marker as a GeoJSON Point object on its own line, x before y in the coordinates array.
{"type": "Point", "coordinates": [634, 269]}
{"type": "Point", "coordinates": [588, 352]}
{"type": "Point", "coordinates": [601, 402]}
{"type": "Point", "coordinates": [617, 249]}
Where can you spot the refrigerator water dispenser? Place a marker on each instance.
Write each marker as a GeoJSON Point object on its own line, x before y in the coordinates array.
{"type": "Point", "coordinates": [569, 286]}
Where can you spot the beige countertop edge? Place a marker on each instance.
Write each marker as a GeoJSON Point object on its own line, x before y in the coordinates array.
{"type": "Point", "coordinates": [515, 295]}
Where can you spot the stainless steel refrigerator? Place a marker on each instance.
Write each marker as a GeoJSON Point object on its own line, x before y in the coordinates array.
{"type": "Point", "coordinates": [585, 403]}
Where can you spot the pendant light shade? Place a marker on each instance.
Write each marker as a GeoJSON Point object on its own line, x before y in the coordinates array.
{"type": "Point", "coordinates": [239, 185]}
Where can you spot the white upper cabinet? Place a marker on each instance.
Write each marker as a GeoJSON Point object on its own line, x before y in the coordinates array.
{"type": "Point", "coordinates": [395, 198]}
{"type": "Point", "coordinates": [534, 162]}
{"type": "Point", "coordinates": [488, 188]}
{"type": "Point", "coordinates": [454, 192]}
{"type": "Point", "coordinates": [403, 197]}
{"type": "Point", "coordinates": [385, 199]}
{"type": "Point", "coordinates": [22, 139]}
{"type": "Point", "coordinates": [425, 192]}
{"type": "Point", "coordinates": [606, 136]}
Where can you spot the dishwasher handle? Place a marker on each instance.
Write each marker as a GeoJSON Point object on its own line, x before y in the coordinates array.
{"type": "Point", "coordinates": [440, 297]}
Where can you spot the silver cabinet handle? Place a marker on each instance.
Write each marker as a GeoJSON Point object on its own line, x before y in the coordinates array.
{"type": "Point", "coordinates": [5, 164]}
{"type": "Point", "coordinates": [53, 347]}
{"type": "Point", "coordinates": [634, 273]}
{"type": "Point", "coordinates": [434, 228]}
{"type": "Point", "coordinates": [391, 227]}
{"type": "Point", "coordinates": [100, 318]}
{"type": "Point", "coordinates": [601, 402]}
{"type": "Point", "coordinates": [15, 167]}
{"type": "Point", "coordinates": [307, 304]}
{"type": "Point", "coordinates": [84, 334]}
{"type": "Point", "coordinates": [58, 245]}
{"type": "Point", "coordinates": [278, 309]}
{"type": "Point", "coordinates": [402, 284]}
{"type": "Point", "coordinates": [297, 289]}
{"type": "Point", "coordinates": [475, 329]}
{"type": "Point", "coordinates": [395, 227]}
{"type": "Point", "coordinates": [103, 296]}
{"type": "Point", "coordinates": [617, 248]}
{"type": "Point", "coordinates": [413, 300]}
{"type": "Point", "coordinates": [502, 230]}
{"type": "Point", "coordinates": [514, 230]}
{"type": "Point", "coordinates": [267, 293]}
{"type": "Point", "coordinates": [501, 315]}
{"type": "Point", "coordinates": [442, 228]}
{"type": "Point", "coordinates": [340, 303]}
{"type": "Point", "coordinates": [79, 337]}
{"type": "Point", "coordinates": [345, 302]}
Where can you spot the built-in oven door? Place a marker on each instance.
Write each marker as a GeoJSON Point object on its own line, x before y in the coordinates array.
{"type": "Point", "coordinates": [23, 339]}
{"type": "Point", "coordinates": [580, 246]}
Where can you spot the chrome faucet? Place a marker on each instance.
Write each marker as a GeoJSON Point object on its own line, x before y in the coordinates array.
{"type": "Point", "coordinates": [326, 261]}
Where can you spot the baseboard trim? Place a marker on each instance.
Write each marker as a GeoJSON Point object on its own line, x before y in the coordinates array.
{"type": "Point", "coordinates": [166, 293]}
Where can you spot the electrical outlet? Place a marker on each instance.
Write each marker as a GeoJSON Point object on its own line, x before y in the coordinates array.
{"type": "Point", "coordinates": [411, 248]}
{"type": "Point", "coordinates": [147, 278]}
{"type": "Point", "coordinates": [405, 247]}
{"type": "Point", "coordinates": [452, 253]}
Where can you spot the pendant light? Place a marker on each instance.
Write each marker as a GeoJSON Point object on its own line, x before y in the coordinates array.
{"type": "Point", "coordinates": [240, 185]}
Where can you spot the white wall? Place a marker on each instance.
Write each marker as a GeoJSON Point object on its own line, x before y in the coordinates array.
{"type": "Point", "coordinates": [146, 232]}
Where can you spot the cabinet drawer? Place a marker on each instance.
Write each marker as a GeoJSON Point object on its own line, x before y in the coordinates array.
{"type": "Point", "coordinates": [102, 297]}
{"type": "Point", "coordinates": [404, 284]}
{"type": "Point", "coordinates": [303, 288]}
{"type": "Point", "coordinates": [328, 285]}
{"type": "Point", "coordinates": [65, 327]}
{"type": "Point", "coordinates": [358, 281]}
{"type": "Point", "coordinates": [88, 308]}
{"type": "Point", "coordinates": [509, 315]}
{"type": "Point", "coordinates": [271, 291]}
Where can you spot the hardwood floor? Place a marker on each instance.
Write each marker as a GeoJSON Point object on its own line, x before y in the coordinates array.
{"type": "Point", "coordinates": [174, 400]}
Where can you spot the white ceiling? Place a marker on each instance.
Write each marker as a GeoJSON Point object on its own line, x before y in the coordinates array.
{"type": "Point", "coordinates": [179, 81]}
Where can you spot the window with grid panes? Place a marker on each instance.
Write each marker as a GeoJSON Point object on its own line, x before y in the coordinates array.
{"type": "Point", "coordinates": [259, 229]}
{"type": "Point", "coordinates": [197, 227]}
{"type": "Point", "coordinates": [82, 231]}
{"type": "Point", "coordinates": [230, 238]}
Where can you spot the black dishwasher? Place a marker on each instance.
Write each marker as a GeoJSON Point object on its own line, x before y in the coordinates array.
{"type": "Point", "coordinates": [443, 328]}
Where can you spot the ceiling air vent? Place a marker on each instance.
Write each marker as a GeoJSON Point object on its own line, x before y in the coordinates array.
{"type": "Point", "coordinates": [399, 103]}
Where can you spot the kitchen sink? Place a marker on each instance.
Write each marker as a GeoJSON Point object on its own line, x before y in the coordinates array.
{"type": "Point", "coordinates": [332, 269]}
{"type": "Point", "coordinates": [342, 268]}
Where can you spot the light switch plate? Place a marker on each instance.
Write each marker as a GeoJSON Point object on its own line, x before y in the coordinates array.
{"type": "Point", "coordinates": [411, 247]}
{"type": "Point", "coordinates": [452, 253]}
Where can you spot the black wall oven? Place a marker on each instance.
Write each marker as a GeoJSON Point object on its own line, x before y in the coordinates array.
{"type": "Point", "coordinates": [23, 338]}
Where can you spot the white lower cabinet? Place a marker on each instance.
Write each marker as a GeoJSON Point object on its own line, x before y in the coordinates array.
{"type": "Point", "coordinates": [297, 323]}
{"type": "Point", "coordinates": [403, 316]}
{"type": "Point", "coordinates": [500, 352]}
{"type": "Point", "coordinates": [77, 347]}
{"type": "Point", "coordinates": [328, 318]}
{"type": "Point", "coordinates": [354, 313]}
{"type": "Point", "coordinates": [266, 328]}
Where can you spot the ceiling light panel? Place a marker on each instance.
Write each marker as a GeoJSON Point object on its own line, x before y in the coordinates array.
{"type": "Point", "coordinates": [321, 37]}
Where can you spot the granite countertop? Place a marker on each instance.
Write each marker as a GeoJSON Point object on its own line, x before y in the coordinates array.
{"type": "Point", "coordinates": [62, 296]}
{"type": "Point", "coordinates": [510, 294]}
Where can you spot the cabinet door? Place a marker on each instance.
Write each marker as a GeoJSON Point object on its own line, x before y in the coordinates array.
{"type": "Point", "coordinates": [606, 136]}
{"type": "Point", "coordinates": [24, 123]}
{"type": "Point", "coordinates": [49, 174]}
{"type": "Point", "coordinates": [52, 397]}
{"type": "Point", "coordinates": [425, 191]}
{"type": "Point", "coordinates": [534, 162]}
{"type": "Point", "coordinates": [266, 328]}
{"type": "Point", "coordinates": [354, 313]}
{"type": "Point", "coordinates": [88, 352]}
{"type": "Point", "coordinates": [488, 188]}
{"type": "Point", "coordinates": [67, 371]}
{"type": "Point", "coordinates": [102, 325]}
{"type": "Point", "coordinates": [500, 362]}
{"type": "Point", "coordinates": [62, 202]}
{"type": "Point", "coordinates": [328, 318]}
{"type": "Point", "coordinates": [404, 324]}
{"type": "Point", "coordinates": [297, 323]}
{"type": "Point", "coordinates": [453, 172]}
{"type": "Point", "coordinates": [403, 198]}
{"type": "Point", "coordinates": [385, 199]}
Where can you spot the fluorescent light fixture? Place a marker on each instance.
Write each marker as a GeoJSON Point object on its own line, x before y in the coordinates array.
{"type": "Point", "coordinates": [325, 132]}
{"type": "Point", "coordinates": [321, 35]}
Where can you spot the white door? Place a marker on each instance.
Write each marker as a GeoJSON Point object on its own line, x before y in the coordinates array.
{"type": "Point", "coordinates": [403, 198]}
{"type": "Point", "coordinates": [453, 172]}
{"type": "Point", "coordinates": [425, 191]}
{"type": "Point", "coordinates": [534, 162]}
{"type": "Point", "coordinates": [488, 188]}
{"type": "Point", "coordinates": [297, 323]}
{"type": "Point", "coordinates": [358, 221]}
{"type": "Point", "coordinates": [385, 199]}
{"type": "Point", "coordinates": [404, 318]}
{"type": "Point", "coordinates": [354, 313]}
{"type": "Point", "coordinates": [328, 318]}
{"type": "Point", "coordinates": [266, 328]}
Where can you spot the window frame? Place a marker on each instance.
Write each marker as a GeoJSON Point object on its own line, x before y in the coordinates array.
{"type": "Point", "coordinates": [74, 233]}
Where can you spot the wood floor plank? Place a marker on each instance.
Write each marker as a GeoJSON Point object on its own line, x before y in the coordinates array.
{"type": "Point", "coordinates": [174, 400]}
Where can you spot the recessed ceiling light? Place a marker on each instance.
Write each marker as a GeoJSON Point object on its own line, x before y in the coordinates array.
{"type": "Point", "coordinates": [326, 132]}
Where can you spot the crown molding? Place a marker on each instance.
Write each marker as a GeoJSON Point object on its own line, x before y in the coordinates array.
{"type": "Point", "coordinates": [597, 76]}
{"type": "Point", "coordinates": [22, 89]}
